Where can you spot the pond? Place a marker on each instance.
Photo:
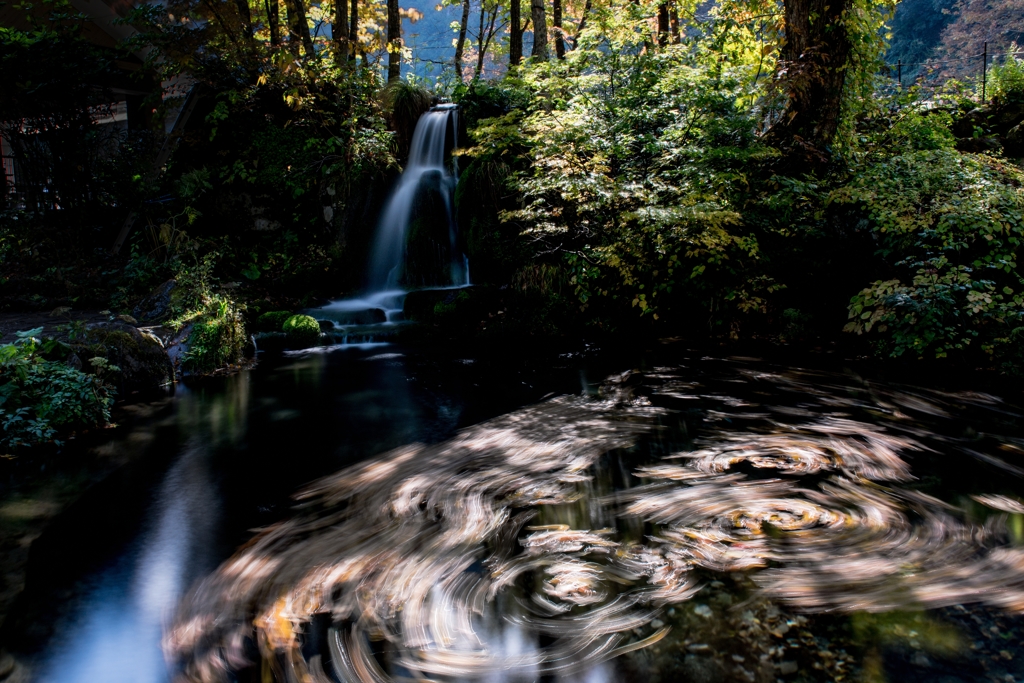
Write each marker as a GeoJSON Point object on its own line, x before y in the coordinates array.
{"type": "Point", "coordinates": [383, 513]}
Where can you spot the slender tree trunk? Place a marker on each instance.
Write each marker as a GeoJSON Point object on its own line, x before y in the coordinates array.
{"type": "Point", "coordinates": [353, 32]}
{"type": "Point", "coordinates": [485, 39]}
{"type": "Point", "coordinates": [515, 35]}
{"type": "Point", "coordinates": [460, 44]}
{"type": "Point", "coordinates": [299, 27]}
{"type": "Point", "coordinates": [540, 30]}
{"type": "Point", "coordinates": [394, 41]}
{"type": "Point", "coordinates": [583, 24]}
{"type": "Point", "coordinates": [813, 62]}
{"type": "Point", "coordinates": [274, 21]}
{"type": "Point", "coordinates": [556, 22]}
{"type": "Point", "coordinates": [663, 24]}
{"type": "Point", "coordinates": [674, 23]}
{"type": "Point", "coordinates": [339, 31]}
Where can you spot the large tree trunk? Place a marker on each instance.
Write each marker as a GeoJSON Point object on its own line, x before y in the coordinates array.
{"type": "Point", "coordinates": [556, 21]}
{"type": "Point", "coordinates": [540, 30]}
{"type": "Point", "coordinates": [515, 34]}
{"type": "Point", "coordinates": [274, 21]}
{"type": "Point", "coordinates": [339, 31]}
{"type": "Point", "coordinates": [394, 41]}
{"type": "Point", "coordinates": [674, 22]}
{"type": "Point", "coordinates": [460, 45]}
{"type": "Point", "coordinates": [813, 64]}
{"type": "Point", "coordinates": [663, 24]}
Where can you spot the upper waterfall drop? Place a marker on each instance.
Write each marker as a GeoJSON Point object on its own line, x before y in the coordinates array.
{"type": "Point", "coordinates": [427, 184]}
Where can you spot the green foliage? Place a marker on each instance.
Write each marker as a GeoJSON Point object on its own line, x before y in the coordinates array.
{"type": "Point", "coordinates": [218, 334]}
{"type": "Point", "coordinates": [951, 226]}
{"type": "Point", "coordinates": [302, 329]}
{"type": "Point", "coordinates": [636, 164]}
{"type": "Point", "coordinates": [41, 397]}
{"type": "Point", "coordinates": [1006, 79]}
{"type": "Point", "coordinates": [216, 339]}
{"type": "Point", "coordinates": [272, 321]}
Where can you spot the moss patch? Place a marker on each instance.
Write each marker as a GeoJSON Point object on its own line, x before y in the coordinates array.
{"type": "Point", "coordinates": [302, 330]}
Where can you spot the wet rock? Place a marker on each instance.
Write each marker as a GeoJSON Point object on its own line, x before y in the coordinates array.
{"type": "Point", "coordinates": [326, 325]}
{"type": "Point", "coordinates": [788, 667]}
{"type": "Point", "coordinates": [157, 305]}
{"type": "Point", "coordinates": [369, 316]}
{"type": "Point", "coordinates": [143, 362]}
{"type": "Point", "coordinates": [703, 611]}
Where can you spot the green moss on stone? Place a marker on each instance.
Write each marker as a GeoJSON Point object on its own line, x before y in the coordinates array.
{"type": "Point", "coordinates": [302, 329]}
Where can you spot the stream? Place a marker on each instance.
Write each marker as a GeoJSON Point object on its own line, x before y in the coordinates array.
{"type": "Point", "coordinates": [385, 513]}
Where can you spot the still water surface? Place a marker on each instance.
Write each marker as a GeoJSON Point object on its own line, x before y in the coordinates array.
{"type": "Point", "coordinates": [500, 519]}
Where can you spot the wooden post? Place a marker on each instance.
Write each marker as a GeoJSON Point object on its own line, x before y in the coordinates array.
{"type": "Point", "coordinates": [984, 71]}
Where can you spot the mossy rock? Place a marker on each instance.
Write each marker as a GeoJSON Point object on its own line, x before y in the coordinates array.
{"type": "Point", "coordinates": [449, 306]}
{"type": "Point", "coordinates": [142, 360]}
{"type": "Point", "coordinates": [302, 330]}
{"type": "Point", "coordinates": [272, 321]}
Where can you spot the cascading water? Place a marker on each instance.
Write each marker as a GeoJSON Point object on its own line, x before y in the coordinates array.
{"type": "Point", "coordinates": [424, 197]}
{"type": "Point", "coordinates": [426, 170]}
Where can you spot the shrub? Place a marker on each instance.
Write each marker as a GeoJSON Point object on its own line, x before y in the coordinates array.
{"type": "Point", "coordinates": [272, 321]}
{"type": "Point", "coordinates": [217, 339]}
{"type": "Point", "coordinates": [302, 329]}
{"type": "Point", "coordinates": [949, 226]}
{"type": "Point", "coordinates": [40, 398]}
{"type": "Point", "coordinates": [1007, 79]}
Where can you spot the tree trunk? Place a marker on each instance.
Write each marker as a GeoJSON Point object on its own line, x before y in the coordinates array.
{"type": "Point", "coordinates": [583, 24]}
{"type": "Point", "coordinates": [274, 21]}
{"type": "Point", "coordinates": [460, 45]}
{"type": "Point", "coordinates": [299, 27]}
{"type": "Point", "coordinates": [394, 41]}
{"type": "Point", "coordinates": [515, 34]}
{"type": "Point", "coordinates": [245, 14]}
{"type": "Point", "coordinates": [540, 30]}
{"type": "Point", "coordinates": [484, 39]}
{"type": "Point", "coordinates": [674, 23]}
{"type": "Point", "coordinates": [813, 64]}
{"type": "Point", "coordinates": [353, 32]}
{"type": "Point", "coordinates": [556, 21]}
{"type": "Point", "coordinates": [339, 31]}
{"type": "Point", "coordinates": [663, 24]}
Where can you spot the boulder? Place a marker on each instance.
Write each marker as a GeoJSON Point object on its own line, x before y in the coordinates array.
{"type": "Point", "coordinates": [979, 145]}
{"type": "Point", "coordinates": [141, 358]}
{"type": "Point", "coordinates": [302, 330]}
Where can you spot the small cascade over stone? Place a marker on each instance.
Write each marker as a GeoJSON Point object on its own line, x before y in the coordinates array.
{"type": "Point", "coordinates": [416, 245]}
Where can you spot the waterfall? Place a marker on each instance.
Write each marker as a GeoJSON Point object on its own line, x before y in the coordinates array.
{"type": "Point", "coordinates": [424, 197]}
{"type": "Point", "coordinates": [426, 169]}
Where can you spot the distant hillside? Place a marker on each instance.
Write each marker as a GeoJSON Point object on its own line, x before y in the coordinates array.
{"type": "Point", "coordinates": [940, 39]}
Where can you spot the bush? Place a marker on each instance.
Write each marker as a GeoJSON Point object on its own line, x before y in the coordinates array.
{"type": "Point", "coordinates": [217, 339]}
{"type": "Point", "coordinates": [949, 226]}
{"type": "Point", "coordinates": [302, 329]}
{"type": "Point", "coordinates": [272, 321]}
{"type": "Point", "coordinates": [41, 398]}
{"type": "Point", "coordinates": [1007, 79]}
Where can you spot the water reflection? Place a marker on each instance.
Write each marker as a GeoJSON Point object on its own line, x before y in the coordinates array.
{"type": "Point", "coordinates": [117, 638]}
{"type": "Point", "coordinates": [654, 517]}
